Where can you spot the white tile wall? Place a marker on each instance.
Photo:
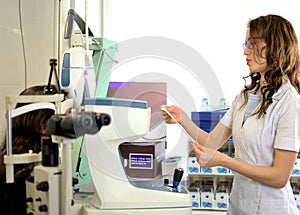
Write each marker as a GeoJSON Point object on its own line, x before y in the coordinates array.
{"type": "Point", "coordinates": [40, 25]}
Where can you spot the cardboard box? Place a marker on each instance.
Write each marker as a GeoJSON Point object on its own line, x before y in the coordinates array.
{"type": "Point", "coordinates": [207, 199]}
{"type": "Point", "coordinates": [296, 169]}
{"type": "Point", "coordinates": [222, 201]}
{"type": "Point", "coordinates": [195, 196]}
{"type": "Point", "coordinates": [193, 166]}
{"type": "Point", "coordinates": [220, 170]}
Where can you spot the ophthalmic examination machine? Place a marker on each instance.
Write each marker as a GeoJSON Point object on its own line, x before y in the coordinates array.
{"type": "Point", "coordinates": [104, 124]}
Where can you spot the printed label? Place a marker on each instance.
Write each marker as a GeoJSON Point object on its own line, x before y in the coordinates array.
{"type": "Point", "coordinates": [140, 161]}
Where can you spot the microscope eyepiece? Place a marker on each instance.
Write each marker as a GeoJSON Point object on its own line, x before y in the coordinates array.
{"type": "Point", "coordinates": [77, 124]}
{"type": "Point", "coordinates": [102, 119]}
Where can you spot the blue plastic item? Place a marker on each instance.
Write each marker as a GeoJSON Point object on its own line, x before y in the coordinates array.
{"type": "Point", "coordinates": [207, 120]}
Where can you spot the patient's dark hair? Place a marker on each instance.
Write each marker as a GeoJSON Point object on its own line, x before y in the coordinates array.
{"type": "Point", "coordinates": [27, 130]}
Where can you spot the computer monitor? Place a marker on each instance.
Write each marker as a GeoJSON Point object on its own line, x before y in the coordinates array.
{"type": "Point", "coordinates": [152, 92]}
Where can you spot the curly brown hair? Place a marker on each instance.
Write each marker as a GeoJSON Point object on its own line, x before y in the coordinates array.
{"type": "Point", "coordinates": [282, 56]}
{"type": "Point", "coordinates": [26, 133]}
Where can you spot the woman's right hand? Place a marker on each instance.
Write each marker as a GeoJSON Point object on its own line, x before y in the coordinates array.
{"type": "Point", "coordinates": [174, 111]}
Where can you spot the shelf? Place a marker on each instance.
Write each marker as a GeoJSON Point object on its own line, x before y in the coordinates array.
{"type": "Point", "coordinates": [213, 175]}
{"type": "Point", "coordinates": [207, 212]}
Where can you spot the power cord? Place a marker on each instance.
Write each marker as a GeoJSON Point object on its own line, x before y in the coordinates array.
{"type": "Point", "coordinates": [23, 45]}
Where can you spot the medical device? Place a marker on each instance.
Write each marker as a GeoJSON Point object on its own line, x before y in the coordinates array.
{"type": "Point", "coordinates": [50, 191]}
{"type": "Point", "coordinates": [104, 124]}
{"type": "Point", "coordinates": [76, 124]}
{"type": "Point", "coordinates": [77, 71]}
{"type": "Point", "coordinates": [115, 191]}
{"type": "Point", "coordinates": [38, 102]}
{"type": "Point", "coordinates": [78, 77]}
{"type": "Point", "coordinates": [82, 75]}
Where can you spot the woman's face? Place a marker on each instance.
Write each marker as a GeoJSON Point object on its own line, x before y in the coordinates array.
{"type": "Point", "coordinates": [255, 54]}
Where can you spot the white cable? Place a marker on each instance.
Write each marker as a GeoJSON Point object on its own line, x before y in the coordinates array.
{"type": "Point", "coordinates": [86, 27]}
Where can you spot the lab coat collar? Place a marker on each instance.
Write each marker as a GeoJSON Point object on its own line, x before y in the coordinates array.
{"type": "Point", "coordinates": [286, 85]}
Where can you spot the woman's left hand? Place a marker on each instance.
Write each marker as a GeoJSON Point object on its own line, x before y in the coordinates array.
{"type": "Point", "coordinates": [207, 157]}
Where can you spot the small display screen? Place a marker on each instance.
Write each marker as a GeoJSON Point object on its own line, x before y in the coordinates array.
{"type": "Point", "coordinates": [140, 161]}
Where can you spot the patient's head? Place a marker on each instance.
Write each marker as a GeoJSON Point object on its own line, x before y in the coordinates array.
{"type": "Point", "coordinates": [27, 130]}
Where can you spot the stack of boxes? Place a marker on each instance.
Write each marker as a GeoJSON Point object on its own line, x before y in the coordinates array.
{"type": "Point", "coordinates": [207, 120]}
{"type": "Point", "coordinates": [296, 170]}
{"type": "Point", "coordinates": [296, 191]}
{"type": "Point", "coordinates": [205, 196]}
{"type": "Point", "coordinates": [295, 181]}
{"type": "Point", "coordinates": [208, 193]}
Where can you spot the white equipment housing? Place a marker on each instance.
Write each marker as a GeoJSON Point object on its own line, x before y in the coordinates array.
{"type": "Point", "coordinates": [114, 192]}
{"type": "Point", "coordinates": [78, 77]}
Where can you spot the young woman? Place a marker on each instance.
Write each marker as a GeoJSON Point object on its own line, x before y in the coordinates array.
{"type": "Point", "coordinates": [264, 121]}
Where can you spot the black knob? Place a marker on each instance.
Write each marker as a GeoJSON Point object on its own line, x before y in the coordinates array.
{"type": "Point", "coordinates": [43, 186]}
{"type": "Point", "coordinates": [75, 181]}
{"type": "Point", "coordinates": [166, 181]}
{"type": "Point", "coordinates": [29, 199]}
{"type": "Point", "coordinates": [43, 208]}
{"type": "Point", "coordinates": [178, 173]}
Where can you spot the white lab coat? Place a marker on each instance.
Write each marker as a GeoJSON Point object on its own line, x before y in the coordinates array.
{"type": "Point", "coordinates": [254, 143]}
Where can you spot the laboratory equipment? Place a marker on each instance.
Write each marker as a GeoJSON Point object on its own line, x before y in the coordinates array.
{"type": "Point", "coordinates": [34, 103]}
{"type": "Point", "coordinates": [86, 66]}
{"type": "Point", "coordinates": [51, 189]}
{"type": "Point", "coordinates": [40, 102]}
{"type": "Point", "coordinates": [143, 159]}
{"type": "Point", "coordinates": [86, 70]}
{"type": "Point", "coordinates": [115, 191]}
{"type": "Point", "coordinates": [78, 77]}
{"type": "Point", "coordinates": [155, 95]}
{"type": "Point", "coordinates": [177, 177]}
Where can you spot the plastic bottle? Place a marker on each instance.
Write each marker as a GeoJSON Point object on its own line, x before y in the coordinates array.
{"type": "Point", "coordinates": [205, 105]}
